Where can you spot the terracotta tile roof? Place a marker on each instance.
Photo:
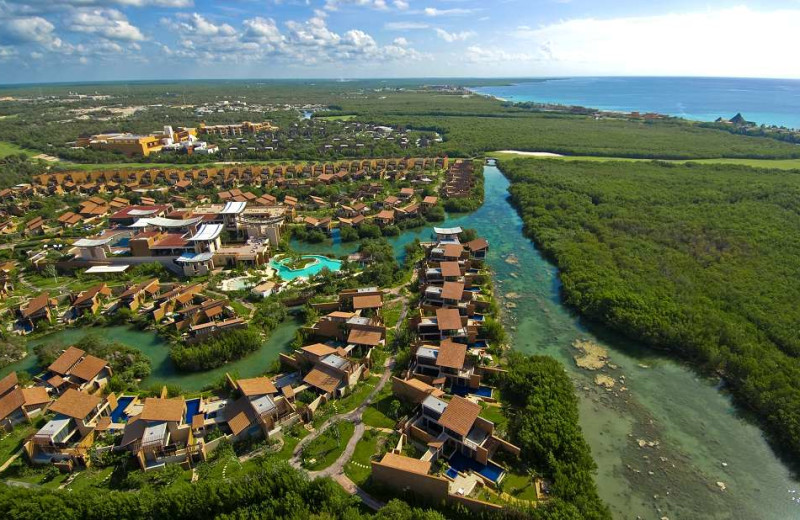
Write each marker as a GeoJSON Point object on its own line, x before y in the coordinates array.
{"type": "Point", "coordinates": [8, 382]}
{"type": "Point", "coordinates": [448, 319]}
{"type": "Point", "coordinates": [88, 368]}
{"type": "Point", "coordinates": [453, 250]}
{"type": "Point", "coordinates": [430, 200]}
{"type": "Point", "coordinates": [238, 415]}
{"type": "Point", "coordinates": [323, 378]}
{"type": "Point", "coordinates": [450, 269]}
{"type": "Point", "coordinates": [370, 301]}
{"type": "Point", "coordinates": [172, 240]}
{"type": "Point", "coordinates": [35, 305]}
{"type": "Point", "coordinates": [75, 404]}
{"type": "Point", "coordinates": [55, 381]}
{"type": "Point", "coordinates": [477, 244]}
{"type": "Point", "coordinates": [65, 361]}
{"type": "Point", "coordinates": [89, 293]}
{"type": "Point", "coordinates": [453, 290]}
{"type": "Point", "coordinates": [404, 463]}
{"type": "Point", "coordinates": [103, 423]}
{"type": "Point", "coordinates": [364, 337]}
{"type": "Point", "coordinates": [156, 409]}
{"type": "Point", "coordinates": [287, 391]}
{"type": "Point", "coordinates": [198, 421]}
{"type": "Point", "coordinates": [239, 423]}
{"type": "Point", "coordinates": [451, 354]}
{"type": "Point", "coordinates": [319, 349]}
{"type": "Point", "coordinates": [386, 214]}
{"type": "Point", "coordinates": [131, 291]}
{"type": "Point", "coordinates": [424, 387]}
{"type": "Point", "coordinates": [257, 386]}
{"type": "Point", "coordinates": [460, 415]}
{"type": "Point", "coordinates": [11, 402]}
{"type": "Point", "coordinates": [341, 314]}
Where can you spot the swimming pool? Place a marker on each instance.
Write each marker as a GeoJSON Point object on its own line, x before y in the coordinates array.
{"type": "Point", "coordinates": [482, 391]}
{"type": "Point", "coordinates": [461, 463]}
{"type": "Point", "coordinates": [236, 284]}
{"type": "Point", "coordinates": [118, 414]}
{"type": "Point", "coordinates": [481, 343]}
{"type": "Point", "coordinates": [452, 473]}
{"type": "Point", "coordinates": [192, 409]}
{"type": "Point", "coordinates": [322, 262]}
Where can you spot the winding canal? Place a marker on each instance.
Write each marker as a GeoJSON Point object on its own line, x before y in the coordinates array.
{"type": "Point", "coordinates": [691, 435]}
{"type": "Point", "coordinates": [666, 441]}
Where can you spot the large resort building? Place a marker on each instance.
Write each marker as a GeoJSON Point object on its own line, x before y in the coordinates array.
{"type": "Point", "coordinates": [190, 243]}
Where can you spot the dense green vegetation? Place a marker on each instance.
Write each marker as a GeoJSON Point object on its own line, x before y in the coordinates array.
{"type": "Point", "coordinates": [274, 490]}
{"type": "Point", "coordinates": [128, 364]}
{"type": "Point", "coordinates": [468, 125]}
{"type": "Point", "coordinates": [699, 259]}
{"type": "Point", "coordinates": [216, 351]}
{"type": "Point", "coordinates": [545, 426]}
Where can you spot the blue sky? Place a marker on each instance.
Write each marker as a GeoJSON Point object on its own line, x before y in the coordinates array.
{"type": "Point", "coordinates": [82, 40]}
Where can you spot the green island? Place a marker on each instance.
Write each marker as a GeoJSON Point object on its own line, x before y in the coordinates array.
{"type": "Point", "coordinates": [333, 307]}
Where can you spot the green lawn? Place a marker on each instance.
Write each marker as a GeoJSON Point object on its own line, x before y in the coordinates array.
{"type": "Point", "coordinates": [378, 413]}
{"type": "Point", "coordinates": [494, 414]}
{"type": "Point", "coordinates": [326, 448]}
{"type": "Point", "coordinates": [290, 441]}
{"type": "Point", "coordinates": [7, 148]}
{"type": "Point", "coordinates": [519, 486]}
{"type": "Point", "coordinates": [12, 441]}
{"type": "Point", "coordinates": [91, 478]}
{"type": "Point", "coordinates": [362, 456]}
{"type": "Point", "coordinates": [241, 310]}
{"type": "Point", "coordinates": [391, 313]}
{"type": "Point", "coordinates": [781, 164]}
{"type": "Point", "coordinates": [346, 404]}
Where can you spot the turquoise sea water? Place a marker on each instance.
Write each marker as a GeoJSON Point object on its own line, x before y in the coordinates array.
{"type": "Point", "coordinates": [764, 101]}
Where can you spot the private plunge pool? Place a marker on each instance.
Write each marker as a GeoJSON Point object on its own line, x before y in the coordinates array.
{"type": "Point", "coordinates": [317, 264]}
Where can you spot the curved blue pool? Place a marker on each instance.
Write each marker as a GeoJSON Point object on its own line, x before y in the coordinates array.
{"type": "Point", "coordinates": [322, 262]}
{"type": "Point", "coordinates": [118, 414]}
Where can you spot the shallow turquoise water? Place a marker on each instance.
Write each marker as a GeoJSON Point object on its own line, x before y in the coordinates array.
{"type": "Point", "coordinates": [695, 425]}
{"type": "Point", "coordinates": [322, 262]}
{"type": "Point", "coordinates": [764, 101]}
{"type": "Point", "coordinates": [157, 350]}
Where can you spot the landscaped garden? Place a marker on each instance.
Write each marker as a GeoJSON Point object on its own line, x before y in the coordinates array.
{"type": "Point", "coordinates": [328, 446]}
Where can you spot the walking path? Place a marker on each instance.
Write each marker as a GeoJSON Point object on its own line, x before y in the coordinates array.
{"type": "Point", "coordinates": [336, 470]}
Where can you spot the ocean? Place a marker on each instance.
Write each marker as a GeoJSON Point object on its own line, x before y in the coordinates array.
{"type": "Point", "coordinates": [763, 101]}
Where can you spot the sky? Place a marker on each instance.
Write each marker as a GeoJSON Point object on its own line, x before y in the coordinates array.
{"type": "Point", "coordinates": [88, 40]}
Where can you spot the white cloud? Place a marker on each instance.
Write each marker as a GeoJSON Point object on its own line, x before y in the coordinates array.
{"type": "Point", "coordinates": [402, 42]}
{"type": "Point", "coordinates": [477, 54]}
{"type": "Point", "coordinates": [735, 41]}
{"type": "Point", "coordinates": [401, 4]}
{"type": "Point", "coordinates": [195, 23]}
{"type": "Point", "coordinates": [108, 23]}
{"type": "Point", "coordinates": [28, 29]}
{"type": "Point", "coordinates": [262, 30]}
{"type": "Point", "coordinates": [333, 5]}
{"type": "Point", "coordinates": [23, 7]}
{"type": "Point", "coordinates": [405, 26]}
{"type": "Point", "coordinates": [433, 11]}
{"type": "Point", "coordinates": [454, 36]}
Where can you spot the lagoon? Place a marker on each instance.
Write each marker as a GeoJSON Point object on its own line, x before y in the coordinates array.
{"type": "Point", "coordinates": [157, 350]}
